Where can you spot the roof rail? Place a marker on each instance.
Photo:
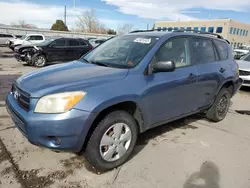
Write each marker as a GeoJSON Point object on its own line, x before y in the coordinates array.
{"type": "Point", "coordinates": [200, 32]}
{"type": "Point", "coordinates": [182, 30]}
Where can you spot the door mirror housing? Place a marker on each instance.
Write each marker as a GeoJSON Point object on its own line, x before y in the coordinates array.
{"type": "Point", "coordinates": [163, 66]}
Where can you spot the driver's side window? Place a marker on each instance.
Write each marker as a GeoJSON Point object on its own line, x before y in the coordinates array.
{"type": "Point", "coordinates": [176, 50]}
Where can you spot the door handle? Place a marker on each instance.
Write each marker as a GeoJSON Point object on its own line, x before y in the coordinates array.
{"type": "Point", "coordinates": [222, 70]}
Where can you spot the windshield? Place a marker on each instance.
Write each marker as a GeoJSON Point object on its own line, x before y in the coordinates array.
{"type": "Point", "coordinates": [46, 42]}
{"type": "Point", "coordinates": [123, 51]}
{"type": "Point", "coordinates": [246, 57]}
{"type": "Point", "coordinates": [23, 37]}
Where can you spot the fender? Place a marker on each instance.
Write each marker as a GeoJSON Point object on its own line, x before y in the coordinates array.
{"type": "Point", "coordinates": [127, 98]}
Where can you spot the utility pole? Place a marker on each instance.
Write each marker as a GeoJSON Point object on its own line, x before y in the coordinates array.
{"type": "Point", "coordinates": [65, 15]}
{"type": "Point", "coordinates": [74, 6]}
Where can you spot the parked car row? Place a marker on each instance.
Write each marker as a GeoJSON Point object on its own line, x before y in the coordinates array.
{"type": "Point", "coordinates": [244, 69]}
{"type": "Point", "coordinates": [52, 50]}
{"type": "Point", "coordinates": [239, 53]}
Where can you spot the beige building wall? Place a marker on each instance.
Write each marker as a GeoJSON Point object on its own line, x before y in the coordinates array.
{"type": "Point", "coordinates": [226, 24]}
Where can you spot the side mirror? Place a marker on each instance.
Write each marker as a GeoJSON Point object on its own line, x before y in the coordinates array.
{"type": "Point", "coordinates": [163, 66]}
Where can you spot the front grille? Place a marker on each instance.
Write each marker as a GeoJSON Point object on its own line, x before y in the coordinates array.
{"type": "Point", "coordinates": [244, 73]}
{"type": "Point", "coordinates": [22, 98]}
{"type": "Point", "coordinates": [246, 82]}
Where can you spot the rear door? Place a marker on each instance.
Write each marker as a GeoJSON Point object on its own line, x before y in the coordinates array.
{"type": "Point", "coordinates": [83, 47]}
{"type": "Point", "coordinates": [57, 50]}
{"type": "Point", "coordinates": [212, 69]}
{"type": "Point", "coordinates": [72, 50]}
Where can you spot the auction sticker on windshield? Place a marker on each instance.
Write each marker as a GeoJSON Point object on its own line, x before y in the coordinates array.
{"type": "Point", "coordinates": [142, 40]}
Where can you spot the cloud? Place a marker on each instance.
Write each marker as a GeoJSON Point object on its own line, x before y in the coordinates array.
{"type": "Point", "coordinates": [174, 9]}
{"type": "Point", "coordinates": [40, 15]}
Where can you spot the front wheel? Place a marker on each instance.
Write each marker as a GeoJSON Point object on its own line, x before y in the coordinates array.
{"type": "Point", "coordinates": [219, 109]}
{"type": "Point", "coordinates": [39, 60]}
{"type": "Point", "coordinates": [112, 142]}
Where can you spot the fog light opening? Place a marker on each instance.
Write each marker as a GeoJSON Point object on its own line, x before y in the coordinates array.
{"type": "Point", "coordinates": [55, 140]}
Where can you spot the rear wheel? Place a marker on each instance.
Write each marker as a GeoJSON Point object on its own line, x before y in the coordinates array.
{"type": "Point", "coordinates": [112, 142]}
{"type": "Point", "coordinates": [219, 109]}
{"type": "Point", "coordinates": [39, 60]}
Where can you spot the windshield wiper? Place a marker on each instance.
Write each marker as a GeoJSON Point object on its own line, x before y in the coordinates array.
{"type": "Point", "coordinates": [85, 60]}
{"type": "Point", "coordinates": [100, 63]}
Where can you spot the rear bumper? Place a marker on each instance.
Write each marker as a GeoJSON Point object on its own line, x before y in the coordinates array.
{"type": "Point", "coordinates": [66, 131]}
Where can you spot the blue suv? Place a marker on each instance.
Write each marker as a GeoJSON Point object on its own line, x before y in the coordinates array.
{"type": "Point", "coordinates": [127, 85]}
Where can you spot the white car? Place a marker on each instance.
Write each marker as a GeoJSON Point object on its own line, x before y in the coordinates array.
{"type": "Point", "coordinates": [244, 68]}
{"type": "Point", "coordinates": [6, 37]}
{"type": "Point", "coordinates": [29, 39]}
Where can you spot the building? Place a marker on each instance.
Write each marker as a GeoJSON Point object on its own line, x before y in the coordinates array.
{"type": "Point", "coordinates": [234, 31]}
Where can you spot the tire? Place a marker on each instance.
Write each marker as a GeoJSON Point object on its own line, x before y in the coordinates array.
{"type": "Point", "coordinates": [219, 109]}
{"type": "Point", "coordinates": [94, 152]}
{"type": "Point", "coordinates": [39, 60]}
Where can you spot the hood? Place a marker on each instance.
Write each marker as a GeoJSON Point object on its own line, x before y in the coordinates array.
{"type": "Point", "coordinates": [22, 47]}
{"type": "Point", "coordinates": [74, 76]}
{"type": "Point", "coordinates": [244, 65]}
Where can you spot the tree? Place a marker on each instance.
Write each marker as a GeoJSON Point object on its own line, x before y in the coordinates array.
{"type": "Point", "coordinates": [23, 24]}
{"type": "Point", "coordinates": [111, 32]}
{"type": "Point", "coordinates": [59, 26]}
{"type": "Point", "coordinates": [88, 22]}
{"type": "Point", "coordinates": [125, 28]}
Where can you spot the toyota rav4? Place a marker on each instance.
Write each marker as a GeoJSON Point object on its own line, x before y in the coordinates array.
{"type": "Point", "coordinates": [125, 86]}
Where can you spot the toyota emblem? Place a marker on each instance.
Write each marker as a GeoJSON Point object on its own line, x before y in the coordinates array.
{"type": "Point", "coordinates": [16, 94]}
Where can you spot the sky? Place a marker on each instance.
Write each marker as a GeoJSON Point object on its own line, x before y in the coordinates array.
{"type": "Point", "coordinates": [114, 13]}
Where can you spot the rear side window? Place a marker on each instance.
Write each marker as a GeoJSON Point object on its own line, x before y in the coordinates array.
{"type": "Point", "coordinates": [72, 42]}
{"type": "Point", "coordinates": [222, 49]}
{"type": "Point", "coordinates": [59, 43]}
{"type": "Point", "coordinates": [38, 37]}
{"type": "Point", "coordinates": [81, 43]}
{"type": "Point", "coordinates": [203, 51]}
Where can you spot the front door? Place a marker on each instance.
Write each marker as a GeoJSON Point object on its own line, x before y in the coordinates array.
{"type": "Point", "coordinates": [172, 94]}
{"type": "Point", "coordinates": [57, 51]}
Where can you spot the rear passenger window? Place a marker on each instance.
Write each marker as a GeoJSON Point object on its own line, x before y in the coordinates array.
{"type": "Point", "coordinates": [72, 42]}
{"type": "Point", "coordinates": [38, 38]}
{"type": "Point", "coordinates": [203, 51]}
{"type": "Point", "coordinates": [81, 43]}
{"type": "Point", "coordinates": [222, 49]}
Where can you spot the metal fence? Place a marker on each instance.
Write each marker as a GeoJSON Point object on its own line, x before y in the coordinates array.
{"type": "Point", "coordinates": [24, 31]}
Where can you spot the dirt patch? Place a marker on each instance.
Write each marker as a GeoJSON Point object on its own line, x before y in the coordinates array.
{"type": "Point", "coordinates": [188, 127]}
{"type": "Point", "coordinates": [78, 162]}
{"type": "Point", "coordinates": [6, 171]}
{"type": "Point", "coordinates": [243, 112]}
{"type": "Point", "coordinates": [4, 116]}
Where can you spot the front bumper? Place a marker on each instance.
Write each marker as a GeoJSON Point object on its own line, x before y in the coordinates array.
{"type": "Point", "coordinates": [237, 85]}
{"type": "Point", "coordinates": [66, 131]}
{"type": "Point", "coordinates": [246, 80]}
{"type": "Point", "coordinates": [20, 57]}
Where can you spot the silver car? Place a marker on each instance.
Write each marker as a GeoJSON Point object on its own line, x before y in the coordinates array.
{"type": "Point", "coordinates": [4, 38]}
{"type": "Point", "coordinates": [244, 68]}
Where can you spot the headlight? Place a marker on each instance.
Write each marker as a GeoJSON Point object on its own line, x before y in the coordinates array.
{"type": "Point", "coordinates": [59, 103]}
